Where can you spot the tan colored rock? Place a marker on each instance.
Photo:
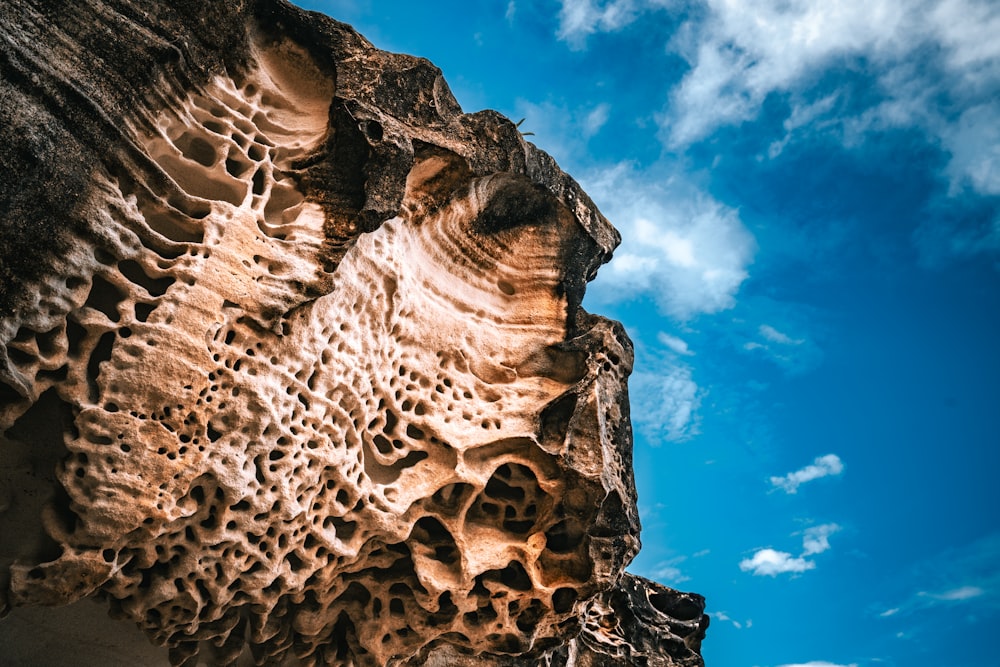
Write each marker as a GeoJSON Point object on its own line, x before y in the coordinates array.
{"type": "Point", "coordinates": [299, 373]}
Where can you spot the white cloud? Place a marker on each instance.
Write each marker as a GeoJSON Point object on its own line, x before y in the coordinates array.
{"type": "Point", "coordinates": [677, 345]}
{"type": "Point", "coordinates": [819, 663]}
{"type": "Point", "coordinates": [816, 540]}
{"type": "Point", "coordinates": [665, 402]}
{"type": "Point", "coordinates": [926, 58]}
{"type": "Point", "coordinates": [772, 563]}
{"type": "Point", "coordinates": [679, 246]}
{"type": "Point", "coordinates": [742, 52]}
{"type": "Point", "coordinates": [967, 30]}
{"type": "Point", "coordinates": [889, 612]}
{"type": "Point", "coordinates": [821, 467]}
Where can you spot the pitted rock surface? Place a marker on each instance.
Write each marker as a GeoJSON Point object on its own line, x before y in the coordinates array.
{"type": "Point", "coordinates": [293, 367]}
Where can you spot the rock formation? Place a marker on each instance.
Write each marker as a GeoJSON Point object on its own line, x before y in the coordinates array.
{"type": "Point", "coordinates": [293, 367]}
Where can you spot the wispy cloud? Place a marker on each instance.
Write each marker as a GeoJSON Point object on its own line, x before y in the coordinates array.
{"type": "Point", "coordinates": [675, 344]}
{"type": "Point", "coordinates": [595, 119]}
{"type": "Point", "coordinates": [580, 18]}
{"type": "Point", "coordinates": [804, 114]}
{"type": "Point", "coordinates": [848, 70]}
{"type": "Point", "coordinates": [943, 236]}
{"type": "Point", "coordinates": [511, 11]}
{"type": "Point", "coordinates": [823, 466]}
{"type": "Point", "coordinates": [665, 402]}
{"type": "Point", "coordinates": [668, 572]}
{"type": "Point", "coordinates": [819, 663]}
{"type": "Point", "coordinates": [741, 53]}
{"type": "Point", "coordinates": [775, 336]}
{"type": "Point", "coordinates": [771, 562]}
{"type": "Point", "coordinates": [967, 576]}
{"type": "Point", "coordinates": [680, 247]}
{"type": "Point", "coordinates": [929, 65]}
{"type": "Point", "coordinates": [955, 595]}
{"type": "Point", "coordinates": [816, 540]}
{"type": "Point", "coordinates": [560, 129]}
{"type": "Point", "coordinates": [793, 354]}
{"type": "Point", "coordinates": [974, 144]}
{"type": "Point", "coordinates": [725, 618]}
{"type": "Point", "coordinates": [932, 66]}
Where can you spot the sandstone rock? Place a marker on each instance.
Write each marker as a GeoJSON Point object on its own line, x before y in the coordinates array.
{"type": "Point", "coordinates": [292, 361]}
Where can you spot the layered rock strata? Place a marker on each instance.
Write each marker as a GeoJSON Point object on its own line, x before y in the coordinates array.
{"type": "Point", "coordinates": [293, 367]}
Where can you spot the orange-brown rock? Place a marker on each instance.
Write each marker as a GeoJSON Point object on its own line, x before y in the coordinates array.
{"type": "Point", "coordinates": [293, 367]}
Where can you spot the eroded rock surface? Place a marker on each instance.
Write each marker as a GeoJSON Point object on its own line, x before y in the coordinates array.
{"type": "Point", "coordinates": [292, 362]}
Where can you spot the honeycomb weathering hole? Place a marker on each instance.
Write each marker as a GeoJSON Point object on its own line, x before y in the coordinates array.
{"type": "Point", "coordinates": [347, 463]}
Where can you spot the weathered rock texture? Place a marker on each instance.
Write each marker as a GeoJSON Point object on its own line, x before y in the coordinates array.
{"type": "Point", "coordinates": [292, 360]}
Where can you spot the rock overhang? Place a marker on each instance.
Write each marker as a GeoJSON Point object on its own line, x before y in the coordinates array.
{"type": "Point", "coordinates": [303, 371]}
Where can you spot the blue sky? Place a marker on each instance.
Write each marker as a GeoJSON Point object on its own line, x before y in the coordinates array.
{"type": "Point", "coordinates": [809, 194]}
